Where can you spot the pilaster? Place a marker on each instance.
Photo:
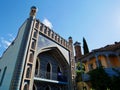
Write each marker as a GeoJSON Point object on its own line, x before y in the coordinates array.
{"type": "Point", "coordinates": [108, 61]}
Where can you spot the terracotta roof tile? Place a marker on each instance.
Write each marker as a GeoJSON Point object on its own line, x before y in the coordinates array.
{"type": "Point", "coordinates": [111, 47]}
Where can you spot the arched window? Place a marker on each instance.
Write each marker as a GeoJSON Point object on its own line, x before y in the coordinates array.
{"type": "Point", "coordinates": [49, 32]}
{"type": "Point", "coordinates": [28, 73]}
{"type": "Point", "coordinates": [34, 87]}
{"type": "Point", "coordinates": [58, 69]}
{"type": "Point", "coordinates": [45, 29]}
{"type": "Point", "coordinates": [59, 74]}
{"type": "Point", "coordinates": [48, 73]}
{"type": "Point", "coordinates": [52, 34]}
{"type": "Point", "coordinates": [56, 37]}
{"type": "Point", "coordinates": [35, 33]}
{"type": "Point", "coordinates": [31, 57]}
{"type": "Point", "coordinates": [37, 25]}
{"type": "Point", "coordinates": [33, 44]}
{"type": "Point", "coordinates": [26, 87]}
{"type": "Point", "coordinates": [37, 67]}
{"type": "Point", "coordinates": [41, 27]}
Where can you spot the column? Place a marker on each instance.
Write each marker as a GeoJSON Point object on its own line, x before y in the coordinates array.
{"type": "Point", "coordinates": [97, 62]}
{"type": "Point", "coordinates": [88, 65]}
{"type": "Point", "coordinates": [118, 57]}
{"type": "Point", "coordinates": [108, 61]}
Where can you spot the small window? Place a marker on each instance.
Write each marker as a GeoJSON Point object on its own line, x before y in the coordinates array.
{"type": "Point", "coordinates": [49, 31]}
{"type": "Point", "coordinates": [41, 27]}
{"type": "Point", "coordinates": [28, 73]}
{"type": "Point", "coordinates": [35, 34]}
{"type": "Point", "coordinates": [61, 41]}
{"type": "Point", "coordinates": [64, 42]}
{"type": "Point", "coordinates": [31, 57]}
{"type": "Point", "coordinates": [37, 25]}
{"type": "Point", "coordinates": [33, 44]}
{"type": "Point", "coordinates": [52, 34]}
{"type": "Point", "coordinates": [26, 87]}
{"type": "Point", "coordinates": [45, 29]}
{"type": "Point", "coordinates": [59, 74]}
{"type": "Point", "coordinates": [55, 37]}
{"type": "Point", "coordinates": [58, 39]}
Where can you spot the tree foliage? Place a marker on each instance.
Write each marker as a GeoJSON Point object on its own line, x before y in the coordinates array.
{"type": "Point", "coordinates": [80, 69]}
{"type": "Point", "coordinates": [99, 79]}
{"type": "Point", "coordinates": [85, 46]}
{"type": "Point", "coordinates": [115, 81]}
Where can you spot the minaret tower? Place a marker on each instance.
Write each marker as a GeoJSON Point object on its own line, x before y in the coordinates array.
{"type": "Point", "coordinates": [72, 61]}
{"type": "Point", "coordinates": [29, 66]}
{"type": "Point", "coordinates": [25, 47]}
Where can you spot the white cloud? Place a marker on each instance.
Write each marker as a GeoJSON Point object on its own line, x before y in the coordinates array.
{"type": "Point", "coordinates": [47, 23]}
{"type": "Point", "coordinates": [6, 42]}
{"type": "Point", "coordinates": [11, 37]}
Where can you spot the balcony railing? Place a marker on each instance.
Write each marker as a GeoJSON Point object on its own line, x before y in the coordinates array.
{"type": "Point", "coordinates": [109, 71]}
{"type": "Point", "coordinates": [112, 71]}
{"type": "Point", "coordinates": [85, 77]}
{"type": "Point", "coordinates": [50, 76]}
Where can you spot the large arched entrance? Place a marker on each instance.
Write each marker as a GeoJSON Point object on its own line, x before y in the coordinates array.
{"type": "Point", "coordinates": [53, 67]}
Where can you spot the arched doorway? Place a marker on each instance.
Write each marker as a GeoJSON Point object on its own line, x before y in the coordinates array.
{"type": "Point", "coordinates": [48, 88]}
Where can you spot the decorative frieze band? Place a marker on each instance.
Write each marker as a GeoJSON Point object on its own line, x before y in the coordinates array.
{"type": "Point", "coordinates": [51, 34]}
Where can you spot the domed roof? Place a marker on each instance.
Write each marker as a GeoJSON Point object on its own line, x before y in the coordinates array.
{"type": "Point", "coordinates": [33, 7]}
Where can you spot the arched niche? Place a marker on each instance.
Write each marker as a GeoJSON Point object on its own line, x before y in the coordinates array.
{"type": "Point", "coordinates": [37, 67]}
{"type": "Point", "coordinates": [28, 72]}
{"type": "Point", "coordinates": [48, 71]}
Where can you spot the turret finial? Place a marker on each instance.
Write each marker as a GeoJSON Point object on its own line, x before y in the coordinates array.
{"type": "Point", "coordinates": [33, 11]}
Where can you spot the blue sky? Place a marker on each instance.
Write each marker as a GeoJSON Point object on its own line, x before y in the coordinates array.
{"type": "Point", "coordinates": [96, 20]}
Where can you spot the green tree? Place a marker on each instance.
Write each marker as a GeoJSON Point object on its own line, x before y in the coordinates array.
{"type": "Point", "coordinates": [80, 70]}
{"type": "Point", "coordinates": [85, 46]}
{"type": "Point", "coordinates": [99, 79]}
{"type": "Point", "coordinates": [115, 80]}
